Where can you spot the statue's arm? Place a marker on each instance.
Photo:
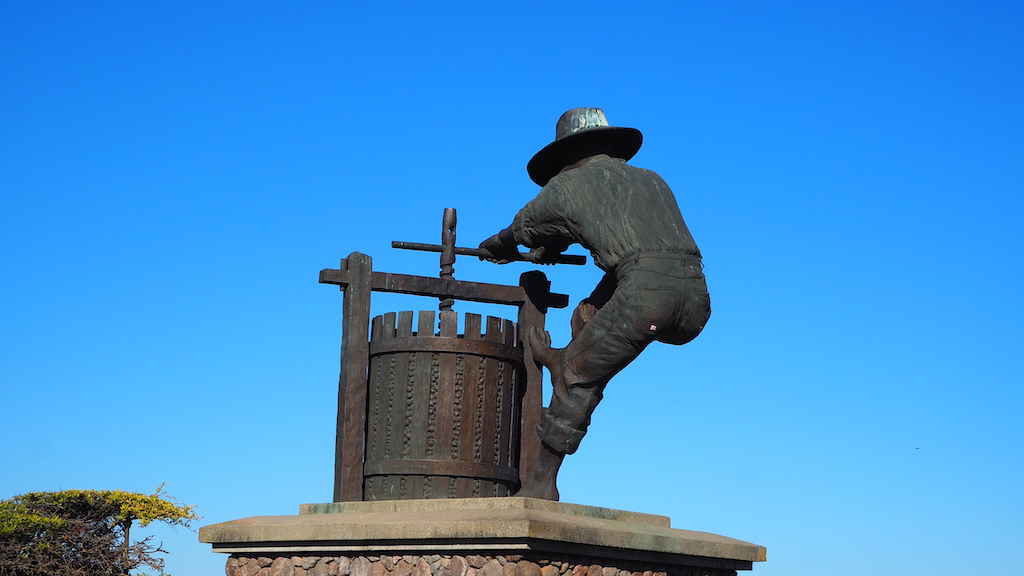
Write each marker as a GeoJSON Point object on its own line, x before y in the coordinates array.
{"type": "Point", "coordinates": [538, 226]}
{"type": "Point", "coordinates": [541, 224]}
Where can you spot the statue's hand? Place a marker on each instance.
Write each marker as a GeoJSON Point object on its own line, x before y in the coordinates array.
{"type": "Point", "coordinates": [541, 255]}
{"type": "Point", "coordinates": [502, 251]}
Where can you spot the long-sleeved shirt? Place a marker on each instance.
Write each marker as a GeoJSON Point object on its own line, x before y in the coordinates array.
{"type": "Point", "coordinates": [610, 208]}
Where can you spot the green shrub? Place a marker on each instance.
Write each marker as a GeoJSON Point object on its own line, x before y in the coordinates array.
{"type": "Point", "coordinates": [83, 532]}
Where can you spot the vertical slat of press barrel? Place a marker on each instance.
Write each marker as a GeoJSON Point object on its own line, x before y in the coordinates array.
{"type": "Point", "coordinates": [433, 487]}
{"type": "Point", "coordinates": [504, 412]}
{"type": "Point", "coordinates": [515, 438]}
{"type": "Point", "coordinates": [440, 485]}
{"type": "Point", "coordinates": [404, 361]}
{"type": "Point", "coordinates": [386, 414]}
{"type": "Point", "coordinates": [351, 426]}
{"type": "Point", "coordinates": [507, 451]}
{"type": "Point", "coordinates": [420, 402]}
{"type": "Point", "coordinates": [470, 438]}
{"type": "Point", "coordinates": [531, 315]}
{"type": "Point", "coordinates": [489, 407]}
{"type": "Point", "coordinates": [376, 381]}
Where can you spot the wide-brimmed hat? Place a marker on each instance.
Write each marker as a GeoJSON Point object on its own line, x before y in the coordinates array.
{"type": "Point", "coordinates": [579, 133]}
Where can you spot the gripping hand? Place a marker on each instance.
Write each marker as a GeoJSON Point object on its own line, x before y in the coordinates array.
{"type": "Point", "coordinates": [502, 246]}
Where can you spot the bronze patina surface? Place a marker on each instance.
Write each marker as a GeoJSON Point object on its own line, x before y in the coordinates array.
{"type": "Point", "coordinates": [426, 412]}
{"type": "Point", "coordinates": [653, 290]}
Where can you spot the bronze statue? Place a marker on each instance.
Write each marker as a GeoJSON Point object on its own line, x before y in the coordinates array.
{"type": "Point", "coordinates": [653, 288]}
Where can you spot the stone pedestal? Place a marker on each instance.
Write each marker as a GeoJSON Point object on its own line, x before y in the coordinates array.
{"type": "Point", "coordinates": [472, 537]}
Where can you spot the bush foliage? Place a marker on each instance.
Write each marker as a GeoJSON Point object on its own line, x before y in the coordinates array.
{"type": "Point", "coordinates": [83, 532]}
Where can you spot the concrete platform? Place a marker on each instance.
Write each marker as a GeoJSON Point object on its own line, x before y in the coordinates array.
{"type": "Point", "coordinates": [486, 526]}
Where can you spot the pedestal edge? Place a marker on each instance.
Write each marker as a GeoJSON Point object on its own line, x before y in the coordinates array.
{"type": "Point", "coordinates": [457, 525]}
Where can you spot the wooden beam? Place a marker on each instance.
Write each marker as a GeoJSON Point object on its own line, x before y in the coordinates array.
{"type": "Point", "coordinates": [443, 288]}
{"type": "Point", "coordinates": [355, 337]}
{"type": "Point", "coordinates": [531, 315]}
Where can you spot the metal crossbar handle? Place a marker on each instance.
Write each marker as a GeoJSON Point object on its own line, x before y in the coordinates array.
{"type": "Point", "coordinates": [574, 259]}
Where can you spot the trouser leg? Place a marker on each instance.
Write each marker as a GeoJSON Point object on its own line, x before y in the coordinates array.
{"type": "Point", "coordinates": [602, 347]}
{"type": "Point", "coordinates": [564, 422]}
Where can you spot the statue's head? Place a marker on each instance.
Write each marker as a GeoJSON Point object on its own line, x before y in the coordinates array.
{"type": "Point", "coordinates": [579, 133]}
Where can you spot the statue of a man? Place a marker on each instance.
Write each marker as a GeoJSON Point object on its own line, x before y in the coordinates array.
{"type": "Point", "coordinates": [653, 288]}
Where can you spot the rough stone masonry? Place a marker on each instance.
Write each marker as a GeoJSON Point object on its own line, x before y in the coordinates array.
{"type": "Point", "coordinates": [455, 565]}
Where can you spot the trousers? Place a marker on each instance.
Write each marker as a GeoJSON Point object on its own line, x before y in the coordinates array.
{"type": "Point", "coordinates": [649, 296]}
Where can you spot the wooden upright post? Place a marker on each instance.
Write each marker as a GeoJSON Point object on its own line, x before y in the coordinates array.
{"type": "Point", "coordinates": [355, 336]}
{"type": "Point", "coordinates": [531, 315]}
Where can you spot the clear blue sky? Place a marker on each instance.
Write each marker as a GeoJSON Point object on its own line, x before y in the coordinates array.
{"type": "Point", "coordinates": [174, 175]}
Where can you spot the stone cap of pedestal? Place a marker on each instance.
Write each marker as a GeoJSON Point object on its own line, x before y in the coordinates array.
{"type": "Point", "coordinates": [477, 525]}
{"type": "Point", "coordinates": [451, 505]}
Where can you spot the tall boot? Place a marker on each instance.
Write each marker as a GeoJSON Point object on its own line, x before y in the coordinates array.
{"type": "Point", "coordinates": [542, 484]}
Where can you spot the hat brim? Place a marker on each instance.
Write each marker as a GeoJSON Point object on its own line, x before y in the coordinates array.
{"type": "Point", "coordinates": [612, 140]}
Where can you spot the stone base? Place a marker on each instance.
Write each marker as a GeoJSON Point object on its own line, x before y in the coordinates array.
{"type": "Point", "coordinates": [456, 565]}
{"type": "Point", "coordinates": [472, 537]}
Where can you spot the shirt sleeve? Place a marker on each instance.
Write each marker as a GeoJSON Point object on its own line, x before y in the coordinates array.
{"type": "Point", "coordinates": [542, 222]}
